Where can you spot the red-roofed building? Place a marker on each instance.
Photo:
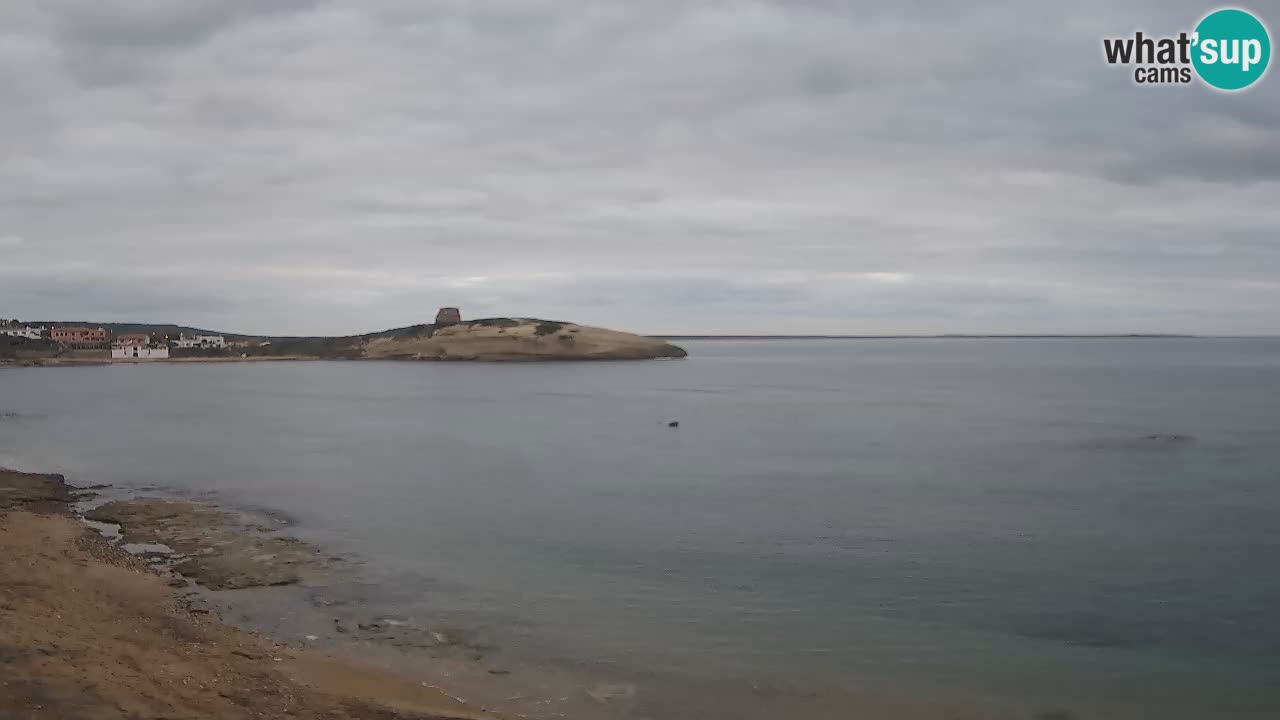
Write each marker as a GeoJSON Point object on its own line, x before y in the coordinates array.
{"type": "Point", "coordinates": [77, 336]}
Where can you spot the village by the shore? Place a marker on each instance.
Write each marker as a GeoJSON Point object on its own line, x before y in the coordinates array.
{"type": "Point", "coordinates": [127, 346]}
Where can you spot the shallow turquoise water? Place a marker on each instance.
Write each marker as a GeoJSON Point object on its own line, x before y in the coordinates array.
{"type": "Point", "coordinates": [1082, 524]}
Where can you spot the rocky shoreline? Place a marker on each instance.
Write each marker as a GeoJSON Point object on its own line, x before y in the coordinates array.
{"type": "Point", "coordinates": [187, 564]}
{"type": "Point", "coordinates": [207, 544]}
{"type": "Point", "coordinates": [89, 631]}
{"type": "Point", "coordinates": [123, 619]}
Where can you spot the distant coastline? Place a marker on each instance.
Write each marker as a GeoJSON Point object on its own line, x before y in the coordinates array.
{"type": "Point", "coordinates": [1130, 336]}
{"type": "Point", "coordinates": [448, 338]}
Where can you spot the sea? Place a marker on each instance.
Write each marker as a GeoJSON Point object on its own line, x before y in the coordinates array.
{"type": "Point", "coordinates": [1048, 529]}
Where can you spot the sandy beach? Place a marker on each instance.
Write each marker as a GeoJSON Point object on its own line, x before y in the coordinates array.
{"type": "Point", "coordinates": [90, 632]}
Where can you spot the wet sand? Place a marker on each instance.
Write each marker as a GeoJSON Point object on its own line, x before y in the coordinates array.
{"type": "Point", "coordinates": [89, 632]}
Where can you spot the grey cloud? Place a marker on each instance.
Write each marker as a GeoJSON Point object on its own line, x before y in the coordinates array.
{"type": "Point", "coordinates": [1215, 149]}
{"type": "Point", "coordinates": [116, 42]}
{"type": "Point", "coordinates": [748, 166]}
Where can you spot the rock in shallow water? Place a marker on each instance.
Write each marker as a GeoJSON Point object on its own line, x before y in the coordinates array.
{"type": "Point", "coordinates": [221, 554]}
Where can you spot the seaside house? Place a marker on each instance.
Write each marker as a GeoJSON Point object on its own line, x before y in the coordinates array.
{"type": "Point", "coordinates": [139, 352]}
{"type": "Point", "coordinates": [78, 336]}
{"type": "Point", "coordinates": [24, 331]}
{"type": "Point", "coordinates": [200, 341]}
{"type": "Point", "coordinates": [138, 346]}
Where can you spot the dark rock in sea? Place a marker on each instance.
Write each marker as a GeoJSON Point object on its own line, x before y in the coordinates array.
{"type": "Point", "coordinates": [219, 554]}
{"type": "Point", "coordinates": [674, 423]}
{"type": "Point", "coordinates": [1170, 438]}
{"type": "Point", "coordinates": [1155, 442]}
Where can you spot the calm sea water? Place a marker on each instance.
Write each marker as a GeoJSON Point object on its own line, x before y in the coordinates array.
{"type": "Point", "coordinates": [999, 528]}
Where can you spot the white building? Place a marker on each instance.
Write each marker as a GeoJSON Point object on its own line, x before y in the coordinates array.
{"type": "Point", "coordinates": [140, 352]}
{"type": "Point", "coordinates": [24, 331]}
{"type": "Point", "coordinates": [200, 341]}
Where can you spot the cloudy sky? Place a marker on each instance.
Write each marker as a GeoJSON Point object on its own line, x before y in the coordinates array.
{"type": "Point", "coordinates": [313, 166]}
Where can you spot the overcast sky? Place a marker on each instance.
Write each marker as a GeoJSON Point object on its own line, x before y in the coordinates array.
{"type": "Point", "coordinates": [658, 165]}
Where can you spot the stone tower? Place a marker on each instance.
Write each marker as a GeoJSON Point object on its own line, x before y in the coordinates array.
{"type": "Point", "coordinates": [448, 316]}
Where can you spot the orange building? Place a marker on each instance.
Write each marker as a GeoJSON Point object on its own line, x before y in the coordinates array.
{"type": "Point", "coordinates": [79, 336]}
{"type": "Point", "coordinates": [133, 340]}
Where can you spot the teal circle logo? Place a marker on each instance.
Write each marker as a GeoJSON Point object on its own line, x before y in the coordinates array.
{"type": "Point", "coordinates": [1232, 49]}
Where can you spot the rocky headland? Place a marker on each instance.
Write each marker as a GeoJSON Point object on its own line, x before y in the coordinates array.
{"type": "Point", "coordinates": [513, 339]}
